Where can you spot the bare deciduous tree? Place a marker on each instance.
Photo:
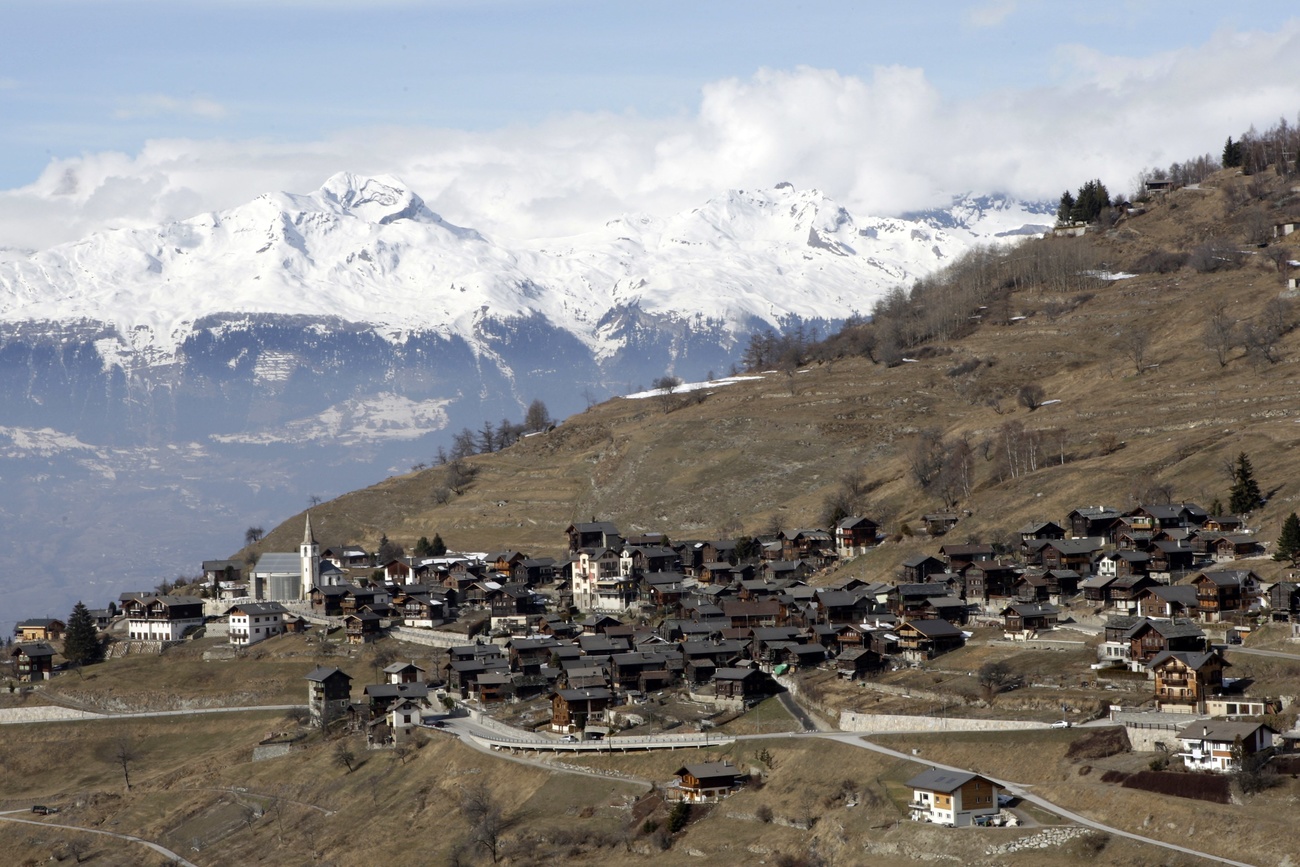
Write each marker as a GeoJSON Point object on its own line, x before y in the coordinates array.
{"type": "Point", "coordinates": [344, 756]}
{"type": "Point", "coordinates": [123, 750]}
{"type": "Point", "coordinates": [1134, 341]}
{"type": "Point", "coordinates": [1030, 396]}
{"type": "Point", "coordinates": [485, 817]}
{"type": "Point", "coordinates": [1220, 335]}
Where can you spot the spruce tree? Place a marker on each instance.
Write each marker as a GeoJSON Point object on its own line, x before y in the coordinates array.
{"type": "Point", "coordinates": [439, 547]}
{"type": "Point", "coordinates": [81, 645]}
{"type": "Point", "coordinates": [1288, 544]}
{"type": "Point", "coordinates": [1245, 494]}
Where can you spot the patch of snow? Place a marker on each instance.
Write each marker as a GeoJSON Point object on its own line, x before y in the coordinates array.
{"type": "Point", "coordinates": [1050, 402]}
{"type": "Point", "coordinates": [689, 386]}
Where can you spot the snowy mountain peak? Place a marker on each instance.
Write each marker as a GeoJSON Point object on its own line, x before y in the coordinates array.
{"type": "Point", "coordinates": [972, 217]}
{"type": "Point", "coordinates": [381, 200]}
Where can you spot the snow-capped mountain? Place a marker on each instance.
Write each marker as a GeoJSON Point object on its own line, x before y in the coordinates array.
{"type": "Point", "coordinates": [368, 250]}
{"type": "Point", "coordinates": [973, 219]}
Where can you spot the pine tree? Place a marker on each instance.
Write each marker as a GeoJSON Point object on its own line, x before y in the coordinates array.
{"type": "Point", "coordinates": [81, 645]}
{"type": "Point", "coordinates": [1288, 544]}
{"type": "Point", "coordinates": [1066, 208]}
{"type": "Point", "coordinates": [439, 547]}
{"type": "Point", "coordinates": [1231, 154]}
{"type": "Point", "coordinates": [1245, 494]}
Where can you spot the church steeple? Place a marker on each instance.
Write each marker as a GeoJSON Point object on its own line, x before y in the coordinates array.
{"type": "Point", "coordinates": [309, 556]}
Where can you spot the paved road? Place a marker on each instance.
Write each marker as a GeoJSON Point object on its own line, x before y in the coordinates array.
{"type": "Point", "coordinates": [796, 710]}
{"type": "Point", "coordinates": [1251, 651]}
{"type": "Point", "coordinates": [161, 850]}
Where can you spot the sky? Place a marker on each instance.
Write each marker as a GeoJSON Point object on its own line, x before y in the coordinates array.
{"type": "Point", "coordinates": [542, 118]}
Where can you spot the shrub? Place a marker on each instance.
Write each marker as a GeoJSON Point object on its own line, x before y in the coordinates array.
{"type": "Point", "coordinates": [678, 818]}
{"type": "Point", "coordinates": [1160, 262]}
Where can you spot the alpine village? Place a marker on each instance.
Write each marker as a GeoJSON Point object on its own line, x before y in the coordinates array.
{"type": "Point", "coordinates": [1004, 574]}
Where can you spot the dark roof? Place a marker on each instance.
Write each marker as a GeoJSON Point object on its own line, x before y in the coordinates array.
{"type": "Point", "coordinates": [41, 623]}
{"type": "Point", "coordinates": [1175, 628]}
{"type": "Point", "coordinates": [1194, 661]}
{"type": "Point", "coordinates": [257, 608]}
{"type": "Point", "coordinates": [322, 673]}
{"type": "Point", "coordinates": [1220, 731]}
{"type": "Point", "coordinates": [942, 780]}
{"type": "Point", "coordinates": [934, 628]}
{"type": "Point", "coordinates": [584, 694]}
{"type": "Point", "coordinates": [1074, 546]}
{"type": "Point", "coordinates": [708, 770]}
{"type": "Point", "coordinates": [33, 649]}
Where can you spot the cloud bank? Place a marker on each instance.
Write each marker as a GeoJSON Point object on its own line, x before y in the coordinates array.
{"type": "Point", "coordinates": [880, 145]}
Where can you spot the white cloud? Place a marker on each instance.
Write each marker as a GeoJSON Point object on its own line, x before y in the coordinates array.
{"type": "Point", "coordinates": [158, 105]}
{"type": "Point", "coordinates": [879, 144]}
{"type": "Point", "coordinates": [991, 14]}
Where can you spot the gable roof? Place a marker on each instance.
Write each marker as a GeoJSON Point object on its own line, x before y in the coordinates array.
{"type": "Point", "coordinates": [322, 673]}
{"type": "Point", "coordinates": [1221, 731]}
{"type": "Point", "coordinates": [943, 780]}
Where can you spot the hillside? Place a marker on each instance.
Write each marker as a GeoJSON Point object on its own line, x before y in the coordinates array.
{"type": "Point", "coordinates": [195, 789]}
{"type": "Point", "coordinates": [755, 454]}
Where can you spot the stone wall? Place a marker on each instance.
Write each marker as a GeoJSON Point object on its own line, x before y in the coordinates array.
{"type": "Point", "coordinates": [18, 715]}
{"type": "Point", "coordinates": [430, 637]}
{"type": "Point", "coordinates": [881, 723]}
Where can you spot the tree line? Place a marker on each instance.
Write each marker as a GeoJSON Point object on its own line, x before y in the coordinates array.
{"type": "Point", "coordinates": [975, 288]}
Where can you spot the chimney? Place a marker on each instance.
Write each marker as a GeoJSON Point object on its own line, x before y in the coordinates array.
{"type": "Point", "coordinates": [1205, 731]}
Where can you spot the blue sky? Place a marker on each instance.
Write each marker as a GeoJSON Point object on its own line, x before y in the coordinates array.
{"type": "Point", "coordinates": [541, 117]}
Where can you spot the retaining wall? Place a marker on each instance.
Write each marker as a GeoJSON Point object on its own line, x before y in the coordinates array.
{"type": "Point", "coordinates": [881, 723]}
{"type": "Point", "coordinates": [430, 637]}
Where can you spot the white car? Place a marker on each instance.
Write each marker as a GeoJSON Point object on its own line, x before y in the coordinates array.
{"type": "Point", "coordinates": [568, 739]}
{"type": "Point", "coordinates": [1061, 724]}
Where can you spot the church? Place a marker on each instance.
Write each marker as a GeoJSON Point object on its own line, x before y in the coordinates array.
{"type": "Point", "coordinates": [285, 576]}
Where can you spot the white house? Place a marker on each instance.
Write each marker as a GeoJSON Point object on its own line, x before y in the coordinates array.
{"type": "Point", "coordinates": [251, 622]}
{"type": "Point", "coordinates": [1208, 745]}
{"type": "Point", "coordinates": [952, 798]}
{"type": "Point", "coordinates": [162, 618]}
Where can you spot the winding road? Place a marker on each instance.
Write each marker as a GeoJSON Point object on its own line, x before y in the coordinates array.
{"type": "Point", "coordinates": [161, 850]}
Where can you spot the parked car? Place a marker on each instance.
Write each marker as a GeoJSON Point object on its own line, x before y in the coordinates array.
{"type": "Point", "coordinates": [42, 810]}
{"type": "Point", "coordinates": [568, 739]}
{"type": "Point", "coordinates": [1061, 724]}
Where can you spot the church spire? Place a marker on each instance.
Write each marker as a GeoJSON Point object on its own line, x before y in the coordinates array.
{"type": "Point", "coordinates": [307, 537]}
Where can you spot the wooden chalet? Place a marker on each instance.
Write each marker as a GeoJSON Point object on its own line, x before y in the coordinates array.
{"type": "Point", "coordinates": [33, 661]}
{"type": "Point", "coordinates": [362, 628]}
{"type": "Point", "coordinates": [1148, 638]}
{"type": "Point", "coordinates": [703, 783]}
{"type": "Point", "coordinates": [40, 629]}
{"type": "Point", "coordinates": [1093, 521]}
{"type": "Point", "coordinates": [572, 710]}
{"type": "Point", "coordinates": [919, 640]}
{"type": "Point", "coordinates": [918, 568]}
{"type": "Point", "coordinates": [329, 692]}
{"type": "Point", "coordinates": [1184, 680]}
{"type": "Point", "coordinates": [854, 535]}
{"type": "Point", "coordinates": [742, 683]}
{"type": "Point", "coordinates": [1022, 621]}
{"type": "Point", "coordinates": [1073, 554]}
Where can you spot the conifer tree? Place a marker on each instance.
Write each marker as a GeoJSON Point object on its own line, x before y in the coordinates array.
{"type": "Point", "coordinates": [81, 645]}
{"type": "Point", "coordinates": [1245, 494]}
{"type": "Point", "coordinates": [439, 547]}
{"type": "Point", "coordinates": [1231, 154]}
{"type": "Point", "coordinates": [1288, 544]}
